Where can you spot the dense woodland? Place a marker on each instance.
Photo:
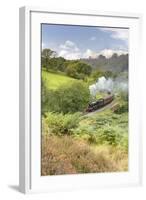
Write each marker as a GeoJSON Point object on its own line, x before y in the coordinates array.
{"type": "Point", "coordinates": [82, 68]}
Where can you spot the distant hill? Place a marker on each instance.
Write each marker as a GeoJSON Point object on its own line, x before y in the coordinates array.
{"type": "Point", "coordinates": [115, 63]}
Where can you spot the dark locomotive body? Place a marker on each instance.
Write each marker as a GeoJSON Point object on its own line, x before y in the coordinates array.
{"type": "Point", "coordinates": [99, 103]}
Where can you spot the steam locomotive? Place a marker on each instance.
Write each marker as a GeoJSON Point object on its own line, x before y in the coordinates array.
{"type": "Point", "coordinates": [99, 103]}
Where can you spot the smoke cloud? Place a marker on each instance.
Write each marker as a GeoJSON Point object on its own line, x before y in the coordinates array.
{"type": "Point", "coordinates": [108, 85]}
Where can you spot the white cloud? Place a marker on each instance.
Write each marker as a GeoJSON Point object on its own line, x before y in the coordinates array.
{"type": "Point", "coordinates": [69, 50]}
{"type": "Point", "coordinates": [90, 54]}
{"type": "Point", "coordinates": [68, 45]}
{"type": "Point", "coordinates": [117, 33]}
{"type": "Point", "coordinates": [70, 55]}
{"type": "Point", "coordinates": [93, 38]}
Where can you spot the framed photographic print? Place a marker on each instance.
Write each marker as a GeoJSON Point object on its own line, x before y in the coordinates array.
{"type": "Point", "coordinates": [79, 100]}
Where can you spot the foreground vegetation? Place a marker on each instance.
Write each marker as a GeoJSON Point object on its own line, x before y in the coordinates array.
{"type": "Point", "coordinates": [74, 143]}
{"type": "Point", "coordinates": [66, 155]}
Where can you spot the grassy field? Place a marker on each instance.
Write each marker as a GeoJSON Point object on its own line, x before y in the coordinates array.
{"type": "Point", "coordinates": [53, 80]}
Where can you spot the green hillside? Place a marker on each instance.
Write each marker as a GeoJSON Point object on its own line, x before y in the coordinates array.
{"type": "Point", "coordinates": [53, 81]}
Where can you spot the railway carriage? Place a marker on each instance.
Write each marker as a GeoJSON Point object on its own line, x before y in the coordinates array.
{"type": "Point", "coordinates": [99, 103]}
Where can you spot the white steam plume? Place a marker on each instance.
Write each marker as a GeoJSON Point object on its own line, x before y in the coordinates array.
{"type": "Point", "coordinates": [108, 85]}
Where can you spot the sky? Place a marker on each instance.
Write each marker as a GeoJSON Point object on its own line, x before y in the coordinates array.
{"type": "Point", "coordinates": [75, 42]}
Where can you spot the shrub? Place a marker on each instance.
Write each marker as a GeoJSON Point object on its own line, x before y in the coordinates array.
{"type": "Point", "coordinates": [49, 100]}
{"type": "Point", "coordinates": [104, 128]}
{"type": "Point", "coordinates": [123, 95]}
{"type": "Point", "coordinates": [122, 108]}
{"type": "Point", "coordinates": [67, 99]}
{"type": "Point", "coordinates": [86, 132]}
{"type": "Point", "coordinates": [60, 124]}
{"type": "Point", "coordinates": [124, 142]}
{"type": "Point", "coordinates": [108, 136]}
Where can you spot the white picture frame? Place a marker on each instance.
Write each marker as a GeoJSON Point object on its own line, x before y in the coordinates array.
{"type": "Point", "coordinates": [30, 136]}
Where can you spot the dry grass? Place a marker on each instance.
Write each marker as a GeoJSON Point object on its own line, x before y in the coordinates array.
{"type": "Point", "coordinates": [66, 155]}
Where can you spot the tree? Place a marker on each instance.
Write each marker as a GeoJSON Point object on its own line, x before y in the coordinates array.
{"type": "Point", "coordinates": [71, 71]}
{"type": "Point", "coordinates": [83, 68]}
{"type": "Point", "coordinates": [73, 97]}
{"type": "Point", "coordinates": [58, 64]}
{"type": "Point", "coordinates": [97, 74]}
{"type": "Point", "coordinates": [47, 54]}
{"type": "Point", "coordinates": [78, 70]}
